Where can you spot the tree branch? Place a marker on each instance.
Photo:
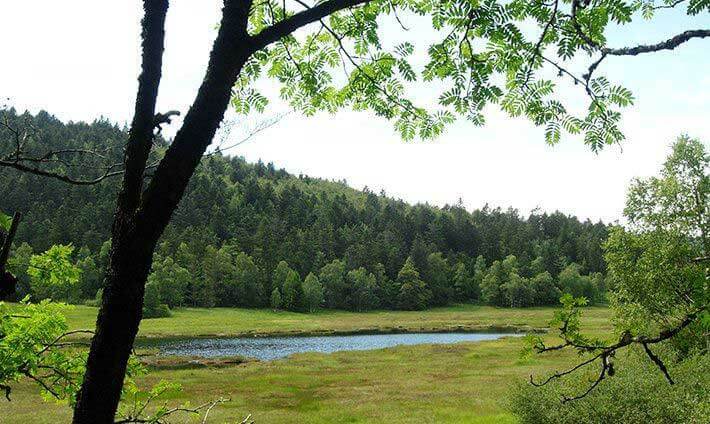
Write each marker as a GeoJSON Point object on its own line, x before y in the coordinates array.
{"type": "Point", "coordinates": [59, 176]}
{"type": "Point", "coordinates": [140, 138]}
{"type": "Point", "coordinates": [669, 44]}
{"type": "Point", "coordinates": [300, 19]}
{"type": "Point", "coordinates": [668, 6]}
{"type": "Point", "coordinates": [605, 352]}
{"type": "Point", "coordinates": [659, 363]}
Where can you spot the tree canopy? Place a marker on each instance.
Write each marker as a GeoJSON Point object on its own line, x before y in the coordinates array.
{"type": "Point", "coordinates": [658, 273]}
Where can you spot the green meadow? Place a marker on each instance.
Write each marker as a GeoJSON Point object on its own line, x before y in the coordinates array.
{"type": "Point", "coordinates": [458, 383]}
{"type": "Point", "coordinates": [222, 322]}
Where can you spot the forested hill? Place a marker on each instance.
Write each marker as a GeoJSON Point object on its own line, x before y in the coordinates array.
{"type": "Point", "coordinates": [237, 211]}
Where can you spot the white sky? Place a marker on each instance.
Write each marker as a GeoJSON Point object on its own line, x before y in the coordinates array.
{"type": "Point", "coordinates": [79, 60]}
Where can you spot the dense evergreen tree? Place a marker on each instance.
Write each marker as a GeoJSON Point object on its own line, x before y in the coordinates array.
{"type": "Point", "coordinates": [438, 279]}
{"type": "Point", "coordinates": [413, 292]}
{"type": "Point", "coordinates": [546, 292]}
{"type": "Point", "coordinates": [332, 276]}
{"type": "Point", "coordinates": [152, 306]}
{"type": "Point", "coordinates": [216, 266]}
{"type": "Point", "coordinates": [518, 292]}
{"type": "Point", "coordinates": [246, 288]}
{"type": "Point", "coordinates": [479, 272]}
{"type": "Point", "coordinates": [91, 276]}
{"type": "Point", "coordinates": [240, 226]}
{"type": "Point", "coordinates": [491, 292]}
{"type": "Point", "coordinates": [464, 284]}
{"type": "Point", "coordinates": [279, 276]}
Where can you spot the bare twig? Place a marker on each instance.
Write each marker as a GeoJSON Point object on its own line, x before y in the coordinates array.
{"type": "Point", "coordinates": [20, 159]}
{"type": "Point", "coordinates": [605, 352]}
{"type": "Point", "coordinates": [262, 126]}
{"type": "Point", "coordinates": [137, 417]}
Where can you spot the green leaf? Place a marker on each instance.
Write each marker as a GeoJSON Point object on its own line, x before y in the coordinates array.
{"type": "Point", "coordinates": [5, 221]}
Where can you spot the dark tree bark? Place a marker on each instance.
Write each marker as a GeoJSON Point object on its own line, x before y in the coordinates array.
{"type": "Point", "coordinates": [6, 242]}
{"type": "Point", "coordinates": [142, 215]}
{"type": "Point", "coordinates": [121, 307]}
{"type": "Point", "coordinates": [141, 219]}
{"type": "Point", "coordinates": [8, 282]}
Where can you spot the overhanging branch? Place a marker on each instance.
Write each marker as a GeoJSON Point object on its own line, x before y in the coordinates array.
{"type": "Point", "coordinates": [287, 26]}
{"type": "Point", "coordinates": [604, 353]}
{"type": "Point", "coordinates": [57, 175]}
{"type": "Point", "coordinates": [669, 44]}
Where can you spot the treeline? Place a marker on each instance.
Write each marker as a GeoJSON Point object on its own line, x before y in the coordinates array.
{"type": "Point", "coordinates": [232, 278]}
{"type": "Point", "coordinates": [250, 234]}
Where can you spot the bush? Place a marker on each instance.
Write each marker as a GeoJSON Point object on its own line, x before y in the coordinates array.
{"type": "Point", "coordinates": [637, 393]}
{"type": "Point", "coordinates": [160, 311]}
{"type": "Point", "coordinates": [152, 307]}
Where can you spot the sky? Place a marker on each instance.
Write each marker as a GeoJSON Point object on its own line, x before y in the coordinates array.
{"type": "Point", "coordinates": [79, 60]}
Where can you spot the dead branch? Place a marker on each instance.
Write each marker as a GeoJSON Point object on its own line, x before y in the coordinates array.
{"type": "Point", "coordinates": [603, 353]}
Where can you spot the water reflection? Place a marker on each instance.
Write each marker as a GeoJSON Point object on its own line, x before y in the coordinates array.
{"type": "Point", "coordinates": [268, 348]}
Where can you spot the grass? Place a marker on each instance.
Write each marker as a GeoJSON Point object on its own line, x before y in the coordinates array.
{"type": "Point", "coordinates": [200, 322]}
{"type": "Point", "coordinates": [460, 383]}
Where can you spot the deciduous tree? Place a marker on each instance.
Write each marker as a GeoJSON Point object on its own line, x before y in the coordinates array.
{"type": "Point", "coordinates": [53, 275]}
{"type": "Point", "coordinates": [312, 292]}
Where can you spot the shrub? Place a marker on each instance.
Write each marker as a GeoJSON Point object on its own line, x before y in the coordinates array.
{"type": "Point", "coordinates": [152, 308]}
{"type": "Point", "coordinates": [637, 393]}
{"type": "Point", "coordinates": [160, 311]}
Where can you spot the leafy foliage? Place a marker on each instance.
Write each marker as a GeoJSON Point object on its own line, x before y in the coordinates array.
{"type": "Point", "coordinates": [33, 344]}
{"type": "Point", "coordinates": [5, 221]}
{"type": "Point", "coordinates": [636, 394]}
{"type": "Point", "coordinates": [152, 306]}
{"type": "Point", "coordinates": [312, 292]}
{"type": "Point", "coordinates": [658, 266]}
{"type": "Point", "coordinates": [658, 274]}
{"type": "Point", "coordinates": [52, 273]}
{"type": "Point", "coordinates": [478, 54]}
{"type": "Point", "coordinates": [293, 292]}
{"type": "Point", "coordinates": [413, 292]}
{"type": "Point", "coordinates": [275, 301]}
{"type": "Point", "coordinates": [171, 282]}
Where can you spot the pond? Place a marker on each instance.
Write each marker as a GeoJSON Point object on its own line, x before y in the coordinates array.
{"type": "Point", "coordinates": [269, 348]}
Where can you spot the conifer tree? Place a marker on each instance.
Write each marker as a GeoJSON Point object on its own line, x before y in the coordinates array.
{"type": "Point", "coordinates": [413, 292]}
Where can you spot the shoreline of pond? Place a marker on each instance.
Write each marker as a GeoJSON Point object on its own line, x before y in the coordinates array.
{"type": "Point", "coordinates": [276, 347]}
{"type": "Point", "coordinates": [462, 329]}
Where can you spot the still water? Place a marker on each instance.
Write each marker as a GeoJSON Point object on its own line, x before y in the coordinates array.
{"type": "Point", "coordinates": [268, 348]}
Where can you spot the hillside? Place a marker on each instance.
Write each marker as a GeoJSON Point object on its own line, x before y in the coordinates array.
{"type": "Point", "coordinates": [233, 209]}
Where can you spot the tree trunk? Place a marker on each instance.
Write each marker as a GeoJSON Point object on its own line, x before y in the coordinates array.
{"type": "Point", "coordinates": [8, 282]}
{"type": "Point", "coordinates": [136, 230]}
{"type": "Point", "coordinates": [141, 217]}
{"type": "Point", "coordinates": [6, 243]}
